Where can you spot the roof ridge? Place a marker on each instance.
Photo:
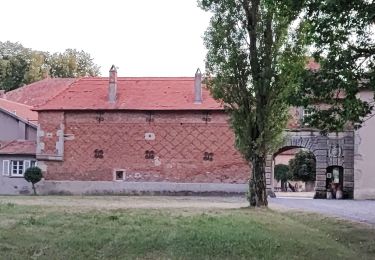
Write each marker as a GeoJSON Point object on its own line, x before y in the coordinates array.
{"type": "Point", "coordinates": [23, 87]}
{"type": "Point", "coordinates": [142, 78]}
{"type": "Point", "coordinates": [14, 102]}
{"type": "Point", "coordinates": [50, 99]}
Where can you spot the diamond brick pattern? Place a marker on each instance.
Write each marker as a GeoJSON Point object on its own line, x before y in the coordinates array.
{"type": "Point", "coordinates": [179, 149]}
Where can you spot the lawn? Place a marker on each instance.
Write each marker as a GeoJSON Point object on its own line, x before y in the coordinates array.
{"type": "Point", "coordinates": [58, 232]}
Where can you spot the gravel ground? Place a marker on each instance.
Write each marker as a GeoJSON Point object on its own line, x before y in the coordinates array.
{"type": "Point", "coordinates": [362, 211]}
{"type": "Point", "coordinates": [356, 210]}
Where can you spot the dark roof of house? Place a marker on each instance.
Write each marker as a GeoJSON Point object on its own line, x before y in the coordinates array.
{"type": "Point", "coordinates": [132, 94]}
{"type": "Point", "coordinates": [18, 147]}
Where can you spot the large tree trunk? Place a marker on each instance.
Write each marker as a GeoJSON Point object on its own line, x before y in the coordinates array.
{"type": "Point", "coordinates": [258, 192]}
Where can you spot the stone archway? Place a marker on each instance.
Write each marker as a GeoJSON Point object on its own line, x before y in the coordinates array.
{"type": "Point", "coordinates": [330, 150]}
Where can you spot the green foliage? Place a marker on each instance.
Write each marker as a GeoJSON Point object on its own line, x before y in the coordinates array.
{"type": "Point", "coordinates": [282, 173]}
{"type": "Point", "coordinates": [33, 175]}
{"type": "Point", "coordinates": [256, 66]}
{"type": "Point", "coordinates": [340, 37]}
{"type": "Point", "coordinates": [20, 66]}
{"type": "Point", "coordinates": [303, 166]}
{"type": "Point", "coordinates": [72, 64]}
{"type": "Point", "coordinates": [254, 59]}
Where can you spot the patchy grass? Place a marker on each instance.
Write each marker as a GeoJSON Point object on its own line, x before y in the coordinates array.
{"type": "Point", "coordinates": [36, 232]}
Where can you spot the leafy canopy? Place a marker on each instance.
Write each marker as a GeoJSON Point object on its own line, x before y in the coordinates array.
{"type": "Point", "coordinates": [254, 59]}
{"type": "Point", "coordinates": [33, 175]}
{"type": "Point", "coordinates": [303, 166]}
{"type": "Point", "coordinates": [256, 65]}
{"type": "Point", "coordinates": [20, 66]}
{"type": "Point", "coordinates": [282, 173]}
{"type": "Point", "coordinates": [340, 39]}
{"type": "Point", "coordinates": [253, 64]}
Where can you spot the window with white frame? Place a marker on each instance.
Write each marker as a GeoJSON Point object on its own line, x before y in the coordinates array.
{"type": "Point", "coordinates": [306, 112]}
{"type": "Point", "coordinates": [16, 168]}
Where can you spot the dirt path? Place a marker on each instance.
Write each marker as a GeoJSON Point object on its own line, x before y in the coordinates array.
{"type": "Point", "coordinates": [124, 202]}
{"type": "Point", "coordinates": [361, 211]}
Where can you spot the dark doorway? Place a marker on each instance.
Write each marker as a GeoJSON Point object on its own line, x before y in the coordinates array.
{"type": "Point", "coordinates": [335, 181]}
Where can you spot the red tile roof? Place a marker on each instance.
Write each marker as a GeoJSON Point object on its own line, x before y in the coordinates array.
{"type": "Point", "coordinates": [19, 147]}
{"type": "Point", "coordinates": [2, 143]}
{"type": "Point", "coordinates": [39, 92]}
{"type": "Point", "coordinates": [132, 94]}
{"type": "Point", "coordinates": [20, 110]}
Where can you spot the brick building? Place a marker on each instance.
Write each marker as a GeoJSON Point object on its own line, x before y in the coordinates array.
{"type": "Point", "coordinates": [109, 135]}
{"type": "Point", "coordinates": [118, 133]}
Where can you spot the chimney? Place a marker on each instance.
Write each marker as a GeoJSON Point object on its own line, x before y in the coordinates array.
{"type": "Point", "coordinates": [112, 89]}
{"type": "Point", "coordinates": [198, 87]}
{"type": "Point", "coordinates": [2, 93]}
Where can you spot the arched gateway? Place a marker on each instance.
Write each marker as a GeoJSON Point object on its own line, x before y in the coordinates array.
{"type": "Point", "coordinates": [331, 150]}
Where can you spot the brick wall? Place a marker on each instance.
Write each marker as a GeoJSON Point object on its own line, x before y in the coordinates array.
{"type": "Point", "coordinates": [50, 124]}
{"type": "Point", "coordinates": [181, 139]}
{"type": "Point", "coordinates": [295, 118]}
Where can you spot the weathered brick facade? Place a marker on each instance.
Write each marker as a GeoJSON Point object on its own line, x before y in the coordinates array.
{"type": "Point", "coordinates": [181, 139]}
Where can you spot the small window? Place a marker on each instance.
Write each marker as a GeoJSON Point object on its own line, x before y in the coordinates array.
{"type": "Point", "coordinates": [17, 168]}
{"type": "Point", "coordinates": [208, 156]}
{"type": "Point", "coordinates": [149, 154]}
{"type": "Point", "coordinates": [119, 175]}
{"type": "Point", "coordinates": [306, 112]}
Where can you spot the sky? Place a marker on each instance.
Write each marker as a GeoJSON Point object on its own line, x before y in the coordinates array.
{"type": "Point", "coordinates": [141, 37]}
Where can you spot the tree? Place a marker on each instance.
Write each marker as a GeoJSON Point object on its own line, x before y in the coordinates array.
{"type": "Point", "coordinates": [282, 174]}
{"type": "Point", "coordinates": [253, 63]}
{"type": "Point", "coordinates": [340, 36]}
{"type": "Point", "coordinates": [257, 54]}
{"type": "Point", "coordinates": [303, 166]}
{"type": "Point", "coordinates": [13, 65]}
{"type": "Point", "coordinates": [33, 175]}
{"type": "Point", "coordinates": [72, 64]}
{"type": "Point", "coordinates": [20, 66]}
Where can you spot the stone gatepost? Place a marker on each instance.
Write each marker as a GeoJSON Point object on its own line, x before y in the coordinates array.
{"type": "Point", "coordinates": [269, 176]}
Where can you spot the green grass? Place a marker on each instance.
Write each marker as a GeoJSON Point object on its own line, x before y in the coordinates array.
{"type": "Point", "coordinates": [28, 232]}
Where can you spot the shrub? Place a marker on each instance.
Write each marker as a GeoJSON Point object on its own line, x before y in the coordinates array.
{"type": "Point", "coordinates": [302, 167]}
{"type": "Point", "coordinates": [282, 174]}
{"type": "Point", "coordinates": [33, 175]}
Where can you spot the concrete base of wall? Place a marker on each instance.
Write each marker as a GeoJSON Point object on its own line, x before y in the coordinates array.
{"type": "Point", "coordinates": [112, 187]}
{"type": "Point", "coordinates": [364, 194]}
{"type": "Point", "coordinates": [14, 186]}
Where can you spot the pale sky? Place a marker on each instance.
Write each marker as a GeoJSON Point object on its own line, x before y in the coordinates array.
{"type": "Point", "coordinates": [141, 37]}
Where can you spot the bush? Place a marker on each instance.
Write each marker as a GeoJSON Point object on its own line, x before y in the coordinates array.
{"type": "Point", "coordinates": [302, 167]}
{"type": "Point", "coordinates": [33, 175]}
{"type": "Point", "coordinates": [282, 174]}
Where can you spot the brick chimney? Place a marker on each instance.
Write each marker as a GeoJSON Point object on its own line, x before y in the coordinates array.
{"type": "Point", "coordinates": [112, 88]}
{"type": "Point", "coordinates": [198, 87]}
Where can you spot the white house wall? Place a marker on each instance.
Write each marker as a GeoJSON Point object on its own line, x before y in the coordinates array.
{"type": "Point", "coordinates": [14, 185]}
{"type": "Point", "coordinates": [364, 160]}
{"type": "Point", "coordinates": [11, 128]}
